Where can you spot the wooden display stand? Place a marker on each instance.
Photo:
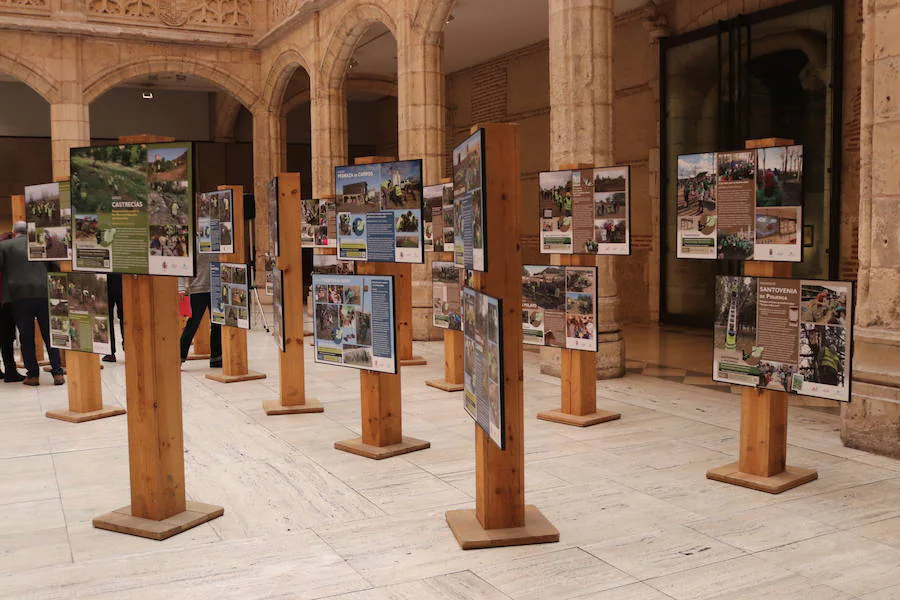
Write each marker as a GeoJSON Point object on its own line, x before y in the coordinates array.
{"type": "Point", "coordinates": [501, 517]}
{"type": "Point", "coordinates": [200, 348]}
{"type": "Point", "coordinates": [84, 387]}
{"type": "Point", "coordinates": [83, 370]}
{"type": "Point", "coordinates": [380, 406]}
{"type": "Point", "coordinates": [764, 413]}
{"type": "Point", "coordinates": [453, 380]}
{"type": "Point", "coordinates": [578, 369]}
{"type": "Point", "coordinates": [159, 508]}
{"type": "Point", "coordinates": [234, 339]}
{"type": "Point", "coordinates": [402, 293]}
{"type": "Point", "coordinates": [292, 399]}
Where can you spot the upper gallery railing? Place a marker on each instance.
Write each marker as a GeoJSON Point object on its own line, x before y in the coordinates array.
{"type": "Point", "coordinates": [225, 16]}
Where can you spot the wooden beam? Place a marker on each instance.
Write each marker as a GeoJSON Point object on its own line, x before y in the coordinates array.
{"type": "Point", "coordinates": [159, 506]}
{"type": "Point", "coordinates": [499, 518]}
{"type": "Point", "coordinates": [764, 413]}
{"type": "Point", "coordinates": [578, 369]}
{"type": "Point", "coordinates": [292, 369]}
{"type": "Point", "coordinates": [235, 367]}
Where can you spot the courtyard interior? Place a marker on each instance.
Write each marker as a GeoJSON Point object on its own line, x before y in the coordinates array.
{"type": "Point", "coordinates": [638, 520]}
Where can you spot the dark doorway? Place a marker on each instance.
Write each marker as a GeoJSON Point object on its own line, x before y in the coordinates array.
{"type": "Point", "coordinates": [771, 74]}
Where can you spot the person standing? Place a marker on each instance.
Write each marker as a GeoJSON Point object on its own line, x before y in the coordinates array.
{"type": "Point", "coordinates": [25, 285]}
{"type": "Point", "coordinates": [7, 333]}
{"type": "Point", "coordinates": [197, 289]}
{"type": "Point", "coordinates": [116, 302]}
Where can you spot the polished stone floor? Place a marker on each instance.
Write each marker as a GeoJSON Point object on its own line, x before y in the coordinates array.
{"type": "Point", "coordinates": [638, 519]}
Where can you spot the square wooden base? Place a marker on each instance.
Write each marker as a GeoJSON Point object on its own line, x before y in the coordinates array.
{"type": "Point", "coordinates": [790, 478]}
{"type": "Point", "coordinates": [471, 535]}
{"type": "Point", "coordinates": [122, 521]}
{"type": "Point", "coordinates": [71, 416]}
{"type": "Point", "coordinates": [356, 446]}
{"type": "Point", "coordinates": [442, 384]}
{"type": "Point", "coordinates": [558, 416]}
{"type": "Point", "coordinates": [275, 407]}
{"type": "Point", "coordinates": [198, 356]}
{"type": "Point", "coordinates": [248, 376]}
{"type": "Point", "coordinates": [415, 361]}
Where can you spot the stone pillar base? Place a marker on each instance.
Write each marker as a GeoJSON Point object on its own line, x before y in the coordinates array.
{"type": "Point", "coordinates": [610, 358]}
{"type": "Point", "coordinates": [871, 420]}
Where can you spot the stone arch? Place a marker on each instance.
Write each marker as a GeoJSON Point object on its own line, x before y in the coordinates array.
{"type": "Point", "coordinates": [109, 78]}
{"type": "Point", "coordinates": [280, 74]}
{"type": "Point", "coordinates": [32, 76]}
{"type": "Point", "coordinates": [376, 85]}
{"type": "Point", "coordinates": [431, 18]}
{"type": "Point", "coordinates": [346, 36]}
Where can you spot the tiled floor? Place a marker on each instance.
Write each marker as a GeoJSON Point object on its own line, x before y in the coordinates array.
{"type": "Point", "coordinates": [638, 519]}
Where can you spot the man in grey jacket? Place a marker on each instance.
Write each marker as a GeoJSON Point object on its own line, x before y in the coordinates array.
{"type": "Point", "coordinates": [197, 288]}
{"type": "Point", "coordinates": [25, 287]}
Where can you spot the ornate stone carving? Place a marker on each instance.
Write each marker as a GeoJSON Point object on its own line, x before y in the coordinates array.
{"type": "Point", "coordinates": [173, 13]}
{"type": "Point", "coordinates": [216, 14]}
{"type": "Point", "coordinates": [282, 9]}
{"type": "Point", "coordinates": [28, 5]}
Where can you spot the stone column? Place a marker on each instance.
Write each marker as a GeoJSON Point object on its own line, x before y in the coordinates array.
{"type": "Point", "coordinates": [266, 159]}
{"type": "Point", "coordinates": [69, 116]}
{"type": "Point", "coordinates": [328, 116]}
{"type": "Point", "coordinates": [581, 131]}
{"type": "Point", "coordinates": [421, 118]}
{"type": "Point", "coordinates": [871, 421]}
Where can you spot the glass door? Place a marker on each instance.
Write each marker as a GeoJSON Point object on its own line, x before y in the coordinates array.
{"type": "Point", "coordinates": [771, 74]}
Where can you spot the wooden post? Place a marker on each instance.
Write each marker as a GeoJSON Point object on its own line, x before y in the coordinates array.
{"type": "Point", "coordinates": [201, 348]}
{"type": "Point", "coordinates": [578, 369]}
{"type": "Point", "coordinates": [380, 405]}
{"type": "Point", "coordinates": [84, 387]}
{"type": "Point", "coordinates": [453, 380]}
{"type": "Point", "coordinates": [234, 339]}
{"type": "Point", "coordinates": [501, 517]}
{"type": "Point", "coordinates": [292, 399]}
{"type": "Point", "coordinates": [762, 464]}
{"type": "Point", "coordinates": [402, 294]}
{"type": "Point", "coordinates": [17, 203]}
{"type": "Point", "coordinates": [159, 508]}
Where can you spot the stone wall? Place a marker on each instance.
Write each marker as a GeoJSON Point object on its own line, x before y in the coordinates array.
{"type": "Point", "coordinates": [872, 419]}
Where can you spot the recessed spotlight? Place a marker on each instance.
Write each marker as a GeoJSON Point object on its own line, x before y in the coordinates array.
{"type": "Point", "coordinates": [147, 95]}
{"type": "Point", "coordinates": [352, 64]}
{"type": "Point", "coordinates": [450, 17]}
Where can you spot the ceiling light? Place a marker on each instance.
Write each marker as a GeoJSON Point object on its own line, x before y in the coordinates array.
{"type": "Point", "coordinates": [147, 95]}
{"type": "Point", "coordinates": [450, 17]}
{"type": "Point", "coordinates": [352, 64]}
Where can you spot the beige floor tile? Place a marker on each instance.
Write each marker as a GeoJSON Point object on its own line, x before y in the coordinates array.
{"type": "Point", "coordinates": [844, 561]}
{"type": "Point", "coordinates": [464, 585]}
{"type": "Point", "coordinates": [746, 578]}
{"type": "Point", "coordinates": [662, 552]}
{"type": "Point", "coordinates": [634, 591]}
{"type": "Point", "coordinates": [555, 576]}
{"type": "Point", "coordinates": [885, 532]}
{"type": "Point", "coordinates": [852, 507]}
{"type": "Point", "coordinates": [28, 478]}
{"type": "Point", "coordinates": [761, 529]}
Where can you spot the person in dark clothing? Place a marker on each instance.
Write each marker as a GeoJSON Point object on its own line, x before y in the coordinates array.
{"type": "Point", "coordinates": [7, 334]}
{"type": "Point", "coordinates": [25, 285]}
{"type": "Point", "coordinates": [114, 291]}
{"type": "Point", "coordinates": [197, 288]}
